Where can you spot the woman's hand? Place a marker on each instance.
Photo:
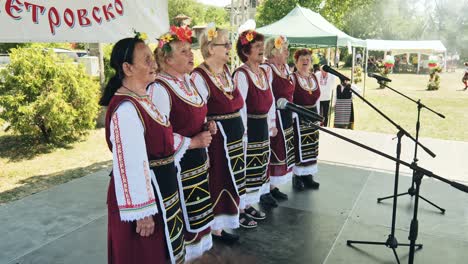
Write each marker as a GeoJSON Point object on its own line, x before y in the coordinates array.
{"type": "Point", "coordinates": [145, 226]}
{"type": "Point", "coordinates": [211, 126]}
{"type": "Point", "coordinates": [201, 140]}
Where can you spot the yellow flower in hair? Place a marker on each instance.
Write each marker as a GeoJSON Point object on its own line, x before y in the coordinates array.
{"type": "Point", "coordinates": [250, 36]}
{"type": "Point", "coordinates": [279, 42]}
{"type": "Point", "coordinates": [212, 34]}
{"type": "Point", "coordinates": [143, 36]}
{"type": "Point", "coordinates": [167, 38]}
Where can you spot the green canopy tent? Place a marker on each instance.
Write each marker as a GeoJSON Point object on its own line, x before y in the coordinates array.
{"type": "Point", "coordinates": [302, 26]}
{"type": "Point", "coordinates": [300, 30]}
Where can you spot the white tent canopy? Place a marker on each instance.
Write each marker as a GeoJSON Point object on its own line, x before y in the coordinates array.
{"type": "Point", "coordinates": [407, 46]}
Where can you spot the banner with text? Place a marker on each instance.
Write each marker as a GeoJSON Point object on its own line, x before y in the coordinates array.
{"type": "Point", "coordinates": [87, 21]}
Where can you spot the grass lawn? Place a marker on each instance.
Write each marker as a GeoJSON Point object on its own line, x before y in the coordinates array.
{"type": "Point", "coordinates": [450, 100]}
{"type": "Point", "coordinates": [26, 170]}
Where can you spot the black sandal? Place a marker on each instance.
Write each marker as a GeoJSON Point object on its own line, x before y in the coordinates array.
{"type": "Point", "coordinates": [254, 213]}
{"type": "Point", "coordinates": [246, 221]}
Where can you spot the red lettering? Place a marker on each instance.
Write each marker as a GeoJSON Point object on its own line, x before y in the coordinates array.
{"type": "Point", "coordinates": [69, 17]}
{"type": "Point", "coordinates": [96, 16]}
{"type": "Point", "coordinates": [119, 7]}
{"type": "Point", "coordinates": [35, 9]}
{"type": "Point", "coordinates": [107, 12]}
{"type": "Point", "coordinates": [54, 19]}
{"type": "Point", "coordinates": [10, 7]}
{"type": "Point", "coordinates": [82, 19]}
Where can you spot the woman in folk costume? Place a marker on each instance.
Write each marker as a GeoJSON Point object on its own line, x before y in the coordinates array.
{"type": "Point", "coordinates": [227, 171]}
{"type": "Point", "coordinates": [258, 115]}
{"type": "Point", "coordinates": [143, 199]}
{"type": "Point", "coordinates": [306, 94]}
{"type": "Point", "coordinates": [174, 93]}
{"type": "Point", "coordinates": [282, 146]}
{"type": "Point", "coordinates": [344, 109]}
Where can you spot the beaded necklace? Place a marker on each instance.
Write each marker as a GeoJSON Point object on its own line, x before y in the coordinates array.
{"type": "Point", "coordinates": [222, 82]}
{"type": "Point", "coordinates": [148, 103]}
{"type": "Point", "coordinates": [186, 88]}
{"type": "Point", "coordinates": [259, 80]}
{"type": "Point", "coordinates": [306, 82]}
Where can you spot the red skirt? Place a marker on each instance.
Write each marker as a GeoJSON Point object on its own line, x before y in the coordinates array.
{"type": "Point", "coordinates": [222, 190]}
{"type": "Point", "coordinates": [125, 245]}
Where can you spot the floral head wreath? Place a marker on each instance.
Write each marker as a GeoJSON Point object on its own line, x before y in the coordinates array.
{"type": "Point", "coordinates": [280, 41]}
{"type": "Point", "coordinates": [183, 34]}
{"type": "Point", "coordinates": [140, 35]}
{"type": "Point", "coordinates": [247, 36]}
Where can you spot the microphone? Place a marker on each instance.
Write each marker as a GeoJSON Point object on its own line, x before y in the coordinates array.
{"type": "Point", "coordinates": [336, 73]}
{"type": "Point", "coordinates": [284, 104]}
{"type": "Point", "coordinates": [378, 77]}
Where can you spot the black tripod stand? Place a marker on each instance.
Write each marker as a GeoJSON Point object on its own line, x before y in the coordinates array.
{"type": "Point", "coordinates": [420, 172]}
{"type": "Point", "coordinates": [391, 241]}
{"type": "Point", "coordinates": [412, 191]}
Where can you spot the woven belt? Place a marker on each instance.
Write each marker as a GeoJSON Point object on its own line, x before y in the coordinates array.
{"type": "Point", "coordinates": [257, 116]}
{"type": "Point", "coordinates": [161, 162]}
{"type": "Point", "coordinates": [223, 117]}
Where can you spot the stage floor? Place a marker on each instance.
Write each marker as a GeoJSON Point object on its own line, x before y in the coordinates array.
{"type": "Point", "coordinates": [67, 224]}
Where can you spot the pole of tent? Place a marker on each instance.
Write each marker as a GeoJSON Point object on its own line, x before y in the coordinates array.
{"type": "Point", "coordinates": [352, 64]}
{"type": "Point", "coordinates": [365, 72]}
{"type": "Point", "coordinates": [419, 61]}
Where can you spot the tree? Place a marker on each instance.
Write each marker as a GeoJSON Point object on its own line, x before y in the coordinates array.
{"type": "Point", "coordinates": [199, 13]}
{"type": "Point", "coordinates": [47, 97]}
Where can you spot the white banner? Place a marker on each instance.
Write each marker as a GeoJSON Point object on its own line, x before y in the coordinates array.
{"type": "Point", "coordinates": [89, 21]}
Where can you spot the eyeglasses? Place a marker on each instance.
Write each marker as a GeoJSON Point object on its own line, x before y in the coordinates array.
{"type": "Point", "coordinates": [227, 45]}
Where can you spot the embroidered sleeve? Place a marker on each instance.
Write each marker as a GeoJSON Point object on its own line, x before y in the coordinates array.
{"type": "Point", "coordinates": [160, 98]}
{"type": "Point", "coordinates": [132, 179]}
{"type": "Point", "coordinates": [240, 81]}
{"type": "Point", "coordinates": [201, 85]}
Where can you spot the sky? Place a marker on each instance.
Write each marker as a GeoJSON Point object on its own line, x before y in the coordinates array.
{"type": "Point", "coordinates": [215, 2]}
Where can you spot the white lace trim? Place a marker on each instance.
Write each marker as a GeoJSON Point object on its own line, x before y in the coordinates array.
{"type": "Point", "coordinates": [242, 201]}
{"type": "Point", "coordinates": [279, 180]}
{"type": "Point", "coordinates": [225, 221]}
{"type": "Point", "coordinates": [193, 251]}
{"type": "Point", "coordinates": [305, 170]}
{"type": "Point", "coordinates": [133, 216]}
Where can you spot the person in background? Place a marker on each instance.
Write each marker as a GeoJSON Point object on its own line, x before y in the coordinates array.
{"type": "Point", "coordinates": [327, 84]}
{"type": "Point", "coordinates": [316, 68]}
{"type": "Point", "coordinates": [337, 59]}
{"type": "Point", "coordinates": [344, 110]}
{"type": "Point", "coordinates": [282, 146]}
{"type": "Point", "coordinates": [465, 77]}
{"type": "Point", "coordinates": [143, 199]}
{"type": "Point", "coordinates": [175, 94]}
{"type": "Point", "coordinates": [306, 94]}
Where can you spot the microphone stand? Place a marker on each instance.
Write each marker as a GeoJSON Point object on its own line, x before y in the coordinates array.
{"type": "Point", "coordinates": [391, 241]}
{"type": "Point", "coordinates": [412, 191]}
{"type": "Point", "coordinates": [420, 172]}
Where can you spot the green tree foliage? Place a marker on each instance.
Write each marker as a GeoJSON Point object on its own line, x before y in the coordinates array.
{"type": "Point", "coordinates": [335, 11]}
{"type": "Point", "coordinates": [200, 13]}
{"type": "Point", "coordinates": [47, 97]}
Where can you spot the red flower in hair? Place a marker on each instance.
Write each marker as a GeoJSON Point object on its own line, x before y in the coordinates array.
{"type": "Point", "coordinates": [183, 34]}
{"type": "Point", "coordinates": [247, 36]}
